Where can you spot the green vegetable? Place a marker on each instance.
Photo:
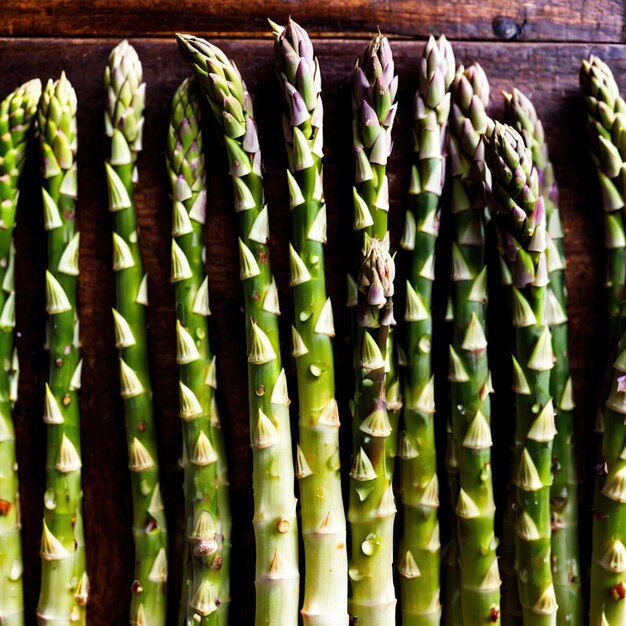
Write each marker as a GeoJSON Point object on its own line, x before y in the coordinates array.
{"type": "Point", "coordinates": [469, 373]}
{"type": "Point", "coordinates": [521, 221]}
{"type": "Point", "coordinates": [419, 556]}
{"type": "Point", "coordinates": [124, 91]}
{"type": "Point", "coordinates": [521, 114]}
{"type": "Point", "coordinates": [17, 116]}
{"type": "Point", "coordinates": [372, 508]}
{"type": "Point", "coordinates": [64, 584]}
{"type": "Point", "coordinates": [606, 121]}
{"type": "Point", "coordinates": [207, 592]}
{"type": "Point", "coordinates": [275, 524]}
{"type": "Point", "coordinates": [323, 517]}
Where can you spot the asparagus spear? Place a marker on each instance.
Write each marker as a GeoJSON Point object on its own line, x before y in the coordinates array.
{"type": "Point", "coordinates": [606, 110]}
{"type": "Point", "coordinates": [124, 102]}
{"type": "Point", "coordinates": [419, 550]}
{"type": "Point", "coordinates": [521, 114]}
{"type": "Point", "coordinates": [275, 524]}
{"type": "Point", "coordinates": [469, 374]}
{"type": "Point", "coordinates": [372, 507]}
{"type": "Point", "coordinates": [64, 584]}
{"type": "Point", "coordinates": [17, 115]}
{"type": "Point", "coordinates": [207, 570]}
{"type": "Point", "coordinates": [521, 220]}
{"type": "Point", "coordinates": [323, 517]}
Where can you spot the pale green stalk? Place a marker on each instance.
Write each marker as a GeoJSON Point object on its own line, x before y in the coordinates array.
{"type": "Point", "coordinates": [275, 523]}
{"type": "Point", "coordinates": [521, 114]}
{"type": "Point", "coordinates": [64, 583]}
{"type": "Point", "coordinates": [124, 92]}
{"type": "Point", "coordinates": [206, 569]}
{"type": "Point", "coordinates": [17, 116]}
{"type": "Point", "coordinates": [372, 507]}
{"type": "Point", "coordinates": [419, 551]}
{"type": "Point", "coordinates": [325, 600]}
{"type": "Point", "coordinates": [469, 373]}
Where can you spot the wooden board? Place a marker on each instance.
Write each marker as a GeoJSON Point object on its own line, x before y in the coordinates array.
{"type": "Point", "coordinates": [548, 73]}
{"type": "Point", "coordinates": [537, 20]}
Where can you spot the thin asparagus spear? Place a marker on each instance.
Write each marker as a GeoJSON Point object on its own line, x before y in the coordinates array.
{"type": "Point", "coordinates": [419, 552]}
{"type": "Point", "coordinates": [606, 111]}
{"type": "Point", "coordinates": [521, 114]}
{"type": "Point", "coordinates": [124, 102]}
{"type": "Point", "coordinates": [521, 220]}
{"type": "Point", "coordinates": [469, 373]}
{"type": "Point", "coordinates": [17, 115]}
{"type": "Point", "coordinates": [275, 524]}
{"type": "Point", "coordinates": [323, 517]}
{"type": "Point", "coordinates": [372, 508]}
{"type": "Point", "coordinates": [206, 567]}
{"type": "Point", "coordinates": [64, 584]}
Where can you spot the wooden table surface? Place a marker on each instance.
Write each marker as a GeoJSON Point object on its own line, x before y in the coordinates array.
{"type": "Point", "coordinates": [552, 38]}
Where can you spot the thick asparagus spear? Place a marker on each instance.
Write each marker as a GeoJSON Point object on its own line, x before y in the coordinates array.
{"type": "Point", "coordinates": [64, 584]}
{"type": "Point", "coordinates": [323, 516]}
{"type": "Point", "coordinates": [521, 220]}
{"type": "Point", "coordinates": [17, 115]}
{"type": "Point", "coordinates": [124, 102]}
{"type": "Point", "coordinates": [207, 592]}
{"type": "Point", "coordinates": [606, 122]}
{"type": "Point", "coordinates": [469, 375]}
{"type": "Point", "coordinates": [275, 525]}
{"type": "Point", "coordinates": [372, 508]}
{"type": "Point", "coordinates": [419, 551]}
{"type": "Point", "coordinates": [521, 114]}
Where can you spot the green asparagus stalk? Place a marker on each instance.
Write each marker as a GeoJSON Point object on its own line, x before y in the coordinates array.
{"type": "Point", "coordinates": [521, 114]}
{"type": "Point", "coordinates": [206, 566]}
{"type": "Point", "coordinates": [124, 102]}
{"type": "Point", "coordinates": [323, 516]}
{"type": "Point", "coordinates": [521, 220]}
{"type": "Point", "coordinates": [64, 584]}
{"type": "Point", "coordinates": [372, 507]}
{"type": "Point", "coordinates": [606, 122]}
{"type": "Point", "coordinates": [469, 373]}
{"type": "Point", "coordinates": [418, 559]}
{"type": "Point", "coordinates": [275, 524]}
{"type": "Point", "coordinates": [17, 115]}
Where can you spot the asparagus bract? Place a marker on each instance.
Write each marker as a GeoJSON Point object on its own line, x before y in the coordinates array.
{"type": "Point", "coordinates": [323, 516]}
{"type": "Point", "coordinates": [64, 584]}
{"type": "Point", "coordinates": [606, 111]}
{"type": "Point", "coordinates": [521, 114]}
{"type": "Point", "coordinates": [207, 591]}
{"type": "Point", "coordinates": [17, 116]}
{"type": "Point", "coordinates": [124, 91]}
{"type": "Point", "coordinates": [521, 221]}
{"type": "Point", "coordinates": [469, 373]}
{"type": "Point", "coordinates": [372, 507]}
{"type": "Point", "coordinates": [275, 524]}
{"type": "Point", "coordinates": [419, 551]}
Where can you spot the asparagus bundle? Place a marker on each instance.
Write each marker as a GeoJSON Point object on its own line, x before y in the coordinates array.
{"type": "Point", "coordinates": [521, 114]}
{"type": "Point", "coordinates": [469, 374]}
{"type": "Point", "coordinates": [521, 220]}
{"type": "Point", "coordinates": [606, 122]}
{"type": "Point", "coordinates": [323, 517]}
{"type": "Point", "coordinates": [419, 550]}
{"type": "Point", "coordinates": [372, 507]}
{"type": "Point", "coordinates": [64, 584]}
{"type": "Point", "coordinates": [275, 524]}
{"type": "Point", "coordinates": [207, 590]}
{"type": "Point", "coordinates": [17, 114]}
{"type": "Point", "coordinates": [124, 102]}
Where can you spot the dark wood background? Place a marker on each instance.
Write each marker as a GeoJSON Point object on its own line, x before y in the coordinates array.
{"type": "Point", "coordinates": [42, 38]}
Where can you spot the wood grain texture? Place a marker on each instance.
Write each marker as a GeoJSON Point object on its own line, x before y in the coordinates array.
{"type": "Point", "coordinates": [537, 20]}
{"type": "Point", "coordinates": [548, 73]}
